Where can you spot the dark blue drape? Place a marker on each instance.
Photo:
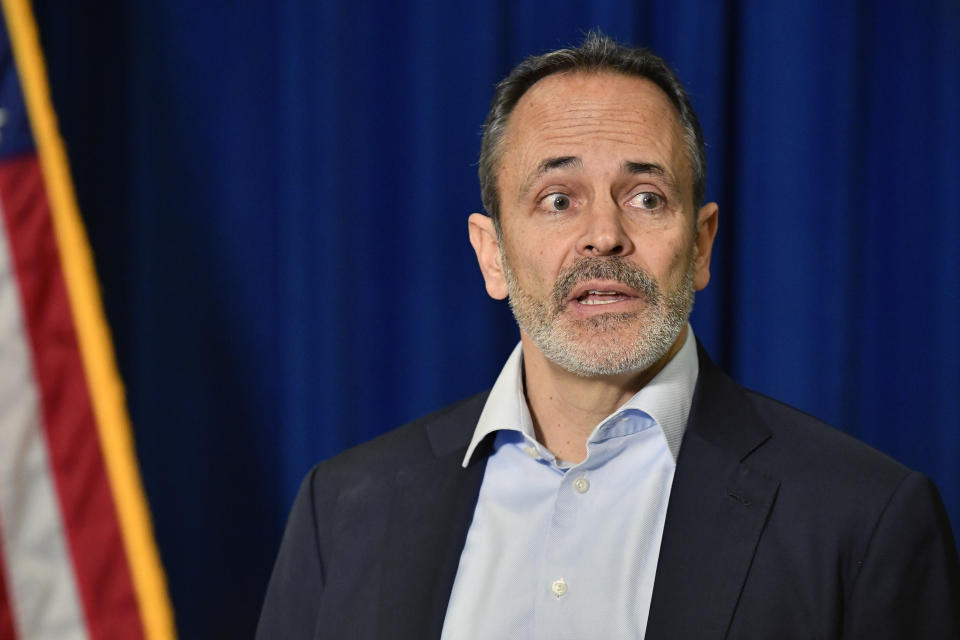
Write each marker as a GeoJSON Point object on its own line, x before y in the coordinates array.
{"type": "Point", "coordinates": [277, 196]}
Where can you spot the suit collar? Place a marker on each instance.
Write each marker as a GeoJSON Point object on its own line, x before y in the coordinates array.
{"type": "Point", "coordinates": [450, 429]}
{"type": "Point", "coordinates": [722, 414]}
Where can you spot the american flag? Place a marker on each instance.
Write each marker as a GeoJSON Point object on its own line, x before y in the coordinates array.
{"type": "Point", "coordinates": [77, 554]}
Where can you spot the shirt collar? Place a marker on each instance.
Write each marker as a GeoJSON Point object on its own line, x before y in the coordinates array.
{"type": "Point", "coordinates": [666, 399]}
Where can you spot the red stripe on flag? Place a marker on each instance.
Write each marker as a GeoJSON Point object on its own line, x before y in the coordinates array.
{"type": "Point", "coordinates": [86, 502]}
{"type": "Point", "coordinates": [7, 631]}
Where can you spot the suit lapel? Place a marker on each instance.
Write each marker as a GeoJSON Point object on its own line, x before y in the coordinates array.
{"type": "Point", "coordinates": [429, 517]}
{"type": "Point", "coordinates": [717, 511]}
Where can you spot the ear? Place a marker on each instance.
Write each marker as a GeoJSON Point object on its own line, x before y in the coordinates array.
{"type": "Point", "coordinates": [707, 219]}
{"type": "Point", "coordinates": [483, 237]}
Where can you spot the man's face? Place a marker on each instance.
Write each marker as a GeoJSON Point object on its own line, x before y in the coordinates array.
{"type": "Point", "coordinates": [600, 252]}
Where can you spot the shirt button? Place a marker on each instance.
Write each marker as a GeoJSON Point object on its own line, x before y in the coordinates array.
{"type": "Point", "coordinates": [558, 588]}
{"type": "Point", "coordinates": [532, 452]}
{"type": "Point", "coordinates": [581, 484]}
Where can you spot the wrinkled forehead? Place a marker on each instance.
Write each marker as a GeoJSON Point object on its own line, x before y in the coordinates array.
{"type": "Point", "coordinates": [582, 91]}
{"type": "Point", "coordinates": [595, 112]}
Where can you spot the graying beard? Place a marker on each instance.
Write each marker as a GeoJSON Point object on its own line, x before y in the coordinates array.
{"type": "Point", "coordinates": [558, 344]}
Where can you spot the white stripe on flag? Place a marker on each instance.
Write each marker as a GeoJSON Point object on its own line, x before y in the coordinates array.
{"type": "Point", "coordinates": [40, 580]}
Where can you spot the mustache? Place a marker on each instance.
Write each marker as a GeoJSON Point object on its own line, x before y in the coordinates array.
{"type": "Point", "coordinates": [614, 268]}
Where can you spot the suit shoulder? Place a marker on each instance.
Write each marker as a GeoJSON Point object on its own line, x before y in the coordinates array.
{"type": "Point", "coordinates": [442, 431]}
{"type": "Point", "coordinates": [809, 446]}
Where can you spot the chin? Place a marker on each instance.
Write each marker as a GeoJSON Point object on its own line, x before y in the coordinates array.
{"type": "Point", "coordinates": [607, 346]}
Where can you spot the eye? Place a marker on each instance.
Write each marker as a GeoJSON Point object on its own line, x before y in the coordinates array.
{"type": "Point", "coordinates": [557, 202]}
{"type": "Point", "coordinates": [647, 200]}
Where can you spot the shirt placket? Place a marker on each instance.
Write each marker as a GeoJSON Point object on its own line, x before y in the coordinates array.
{"type": "Point", "coordinates": [557, 594]}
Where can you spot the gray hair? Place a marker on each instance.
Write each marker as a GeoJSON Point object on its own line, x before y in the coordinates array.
{"type": "Point", "coordinates": [597, 53]}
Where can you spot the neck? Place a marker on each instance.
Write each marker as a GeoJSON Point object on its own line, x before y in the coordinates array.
{"type": "Point", "coordinates": [566, 407]}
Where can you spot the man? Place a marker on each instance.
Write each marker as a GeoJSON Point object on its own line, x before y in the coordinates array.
{"type": "Point", "coordinates": [613, 483]}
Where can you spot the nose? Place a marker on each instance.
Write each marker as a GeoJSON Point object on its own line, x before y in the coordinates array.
{"type": "Point", "coordinates": [603, 232]}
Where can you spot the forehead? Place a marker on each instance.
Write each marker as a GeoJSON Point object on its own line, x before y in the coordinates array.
{"type": "Point", "coordinates": [604, 115]}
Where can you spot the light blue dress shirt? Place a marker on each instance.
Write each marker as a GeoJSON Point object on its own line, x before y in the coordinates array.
{"type": "Point", "coordinates": [570, 551]}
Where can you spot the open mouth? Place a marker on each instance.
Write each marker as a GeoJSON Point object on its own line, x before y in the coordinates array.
{"type": "Point", "coordinates": [597, 296]}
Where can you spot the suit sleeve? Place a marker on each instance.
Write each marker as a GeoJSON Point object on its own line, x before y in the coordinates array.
{"type": "Point", "coordinates": [296, 585]}
{"type": "Point", "coordinates": [908, 585]}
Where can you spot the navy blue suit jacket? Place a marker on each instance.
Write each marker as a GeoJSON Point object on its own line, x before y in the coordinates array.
{"type": "Point", "coordinates": [778, 526]}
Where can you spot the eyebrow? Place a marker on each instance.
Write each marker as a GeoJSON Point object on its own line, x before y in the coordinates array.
{"type": "Point", "coordinates": [548, 165]}
{"type": "Point", "coordinates": [562, 162]}
{"type": "Point", "coordinates": [643, 167]}
{"type": "Point", "coordinates": [650, 168]}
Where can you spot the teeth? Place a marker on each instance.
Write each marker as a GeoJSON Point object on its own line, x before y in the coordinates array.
{"type": "Point", "coordinates": [592, 296]}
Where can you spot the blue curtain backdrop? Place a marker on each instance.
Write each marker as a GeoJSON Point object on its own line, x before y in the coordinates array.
{"type": "Point", "coordinates": [277, 194]}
